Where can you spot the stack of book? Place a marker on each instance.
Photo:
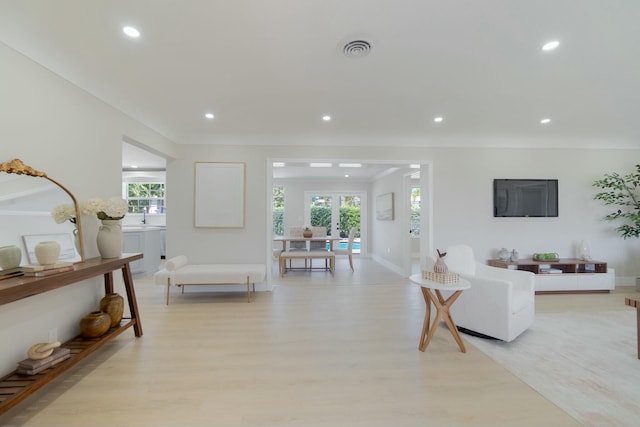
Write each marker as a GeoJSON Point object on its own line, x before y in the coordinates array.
{"type": "Point", "coordinates": [36, 270]}
{"type": "Point", "coordinates": [33, 366]}
{"type": "Point", "coordinates": [10, 272]}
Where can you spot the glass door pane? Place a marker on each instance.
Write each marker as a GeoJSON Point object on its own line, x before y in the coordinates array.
{"type": "Point", "coordinates": [321, 212]}
{"type": "Point", "coordinates": [338, 212]}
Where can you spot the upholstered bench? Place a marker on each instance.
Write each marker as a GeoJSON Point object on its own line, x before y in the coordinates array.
{"type": "Point", "coordinates": [307, 255]}
{"type": "Point", "coordinates": [179, 273]}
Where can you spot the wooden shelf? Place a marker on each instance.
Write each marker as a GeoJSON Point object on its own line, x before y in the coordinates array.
{"type": "Point", "coordinates": [14, 387]}
{"type": "Point", "coordinates": [576, 276]}
{"type": "Point", "coordinates": [567, 265]}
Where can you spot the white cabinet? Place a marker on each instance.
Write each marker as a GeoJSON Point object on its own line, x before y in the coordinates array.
{"type": "Point", "coordinates": [147, 241]}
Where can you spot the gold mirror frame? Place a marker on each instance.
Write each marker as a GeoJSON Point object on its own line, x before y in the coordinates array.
{"type": "Point", "coordinates": [16, 166]}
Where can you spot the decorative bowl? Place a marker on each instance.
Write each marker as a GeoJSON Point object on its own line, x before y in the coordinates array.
{"type": "Point", "coordinates": [546, 256]}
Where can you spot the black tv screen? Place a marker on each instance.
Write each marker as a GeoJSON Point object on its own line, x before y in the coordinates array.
{"type": "Point", "coordinates": [525, 197]}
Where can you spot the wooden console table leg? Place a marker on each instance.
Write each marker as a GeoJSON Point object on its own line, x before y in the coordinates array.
{"type": "Point", "coordinates": [108, 283]}
{"type": "Point", "coordinates": [131, 297]}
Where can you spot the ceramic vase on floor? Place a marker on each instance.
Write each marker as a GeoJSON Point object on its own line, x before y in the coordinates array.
{"type": "Point", "coordinates": [110, 239]}
{"type": "Point", "coordinates": [113, 305]}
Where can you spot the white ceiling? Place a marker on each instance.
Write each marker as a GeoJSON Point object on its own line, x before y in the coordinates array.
{"type": "Point", "coordinates": [269, 69]}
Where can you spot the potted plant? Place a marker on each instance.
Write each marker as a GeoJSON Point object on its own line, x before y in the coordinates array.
{"type": "Point", "coordinates": [623, 192]}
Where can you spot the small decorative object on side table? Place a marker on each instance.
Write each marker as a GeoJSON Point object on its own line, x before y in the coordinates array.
{"type": "Point", "coordinates": [440, 266]}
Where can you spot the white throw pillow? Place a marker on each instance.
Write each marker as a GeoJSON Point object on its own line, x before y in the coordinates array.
{"type": "Point", "coordinates": [175, 263]}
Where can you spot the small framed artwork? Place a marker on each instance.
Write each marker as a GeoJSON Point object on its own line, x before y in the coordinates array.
{"type": "Point", "coordinates": [68, 252]}
{"type": "Point", "coordinates": [384, 207]}
{"type": "Point", "coordinates": [219, 195]}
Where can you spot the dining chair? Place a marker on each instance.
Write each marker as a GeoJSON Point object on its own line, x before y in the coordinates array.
{"type": "Point", "coordinates": [349, 250]}
{"type": "Point", "coordinates": [297, 246]}
{"type": "Point", "coordinates": [318, 246]}
{"type": "Point", "coordinates": [318, 232]}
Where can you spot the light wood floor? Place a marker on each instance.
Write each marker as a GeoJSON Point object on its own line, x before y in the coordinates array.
{"type": "Point", "coordinates": [314, 352]}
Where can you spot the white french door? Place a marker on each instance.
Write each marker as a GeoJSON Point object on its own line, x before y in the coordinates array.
{"type": "Point", "coordinates": [334, 201]}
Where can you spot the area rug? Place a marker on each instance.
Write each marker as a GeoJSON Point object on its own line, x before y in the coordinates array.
{"type": "Point", "coordinates": [585, 363]}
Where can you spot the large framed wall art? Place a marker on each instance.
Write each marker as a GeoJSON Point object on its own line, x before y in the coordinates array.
{"type": "Point", "coordinates": [384, 207]}
{"type": "Point", "coordinates": [219, 195]}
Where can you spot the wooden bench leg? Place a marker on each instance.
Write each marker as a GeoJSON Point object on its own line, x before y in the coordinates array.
{"type": "Point", "coordinates": [168, 287]}
{"type": "Point", "coordinates": [248, 290]}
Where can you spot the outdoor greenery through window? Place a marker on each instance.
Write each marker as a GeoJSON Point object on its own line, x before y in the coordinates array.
{"type": "Point", "coordinates": [349, 214]}
{"type": "Point", "coordinates": [415, 211]}
{"type": "Point", "coordinates": [146, 197]}
{"type": "Point", "coordinates": [278, 211]}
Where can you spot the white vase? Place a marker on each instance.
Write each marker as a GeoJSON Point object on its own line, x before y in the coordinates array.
{"type": "Point", "coordinates": [582, 251]}
{"type": "Point", "coordinates": [10, 257]}
{"type": "Point", "coordinates": [110, 239]}
{"type": "Point", "coordinates": [47, 252]}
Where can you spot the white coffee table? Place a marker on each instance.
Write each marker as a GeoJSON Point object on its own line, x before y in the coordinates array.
{"type": "Point", "coordinates": [442, 306]}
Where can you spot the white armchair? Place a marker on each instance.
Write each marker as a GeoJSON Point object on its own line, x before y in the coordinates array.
{"type": "Point", "coordinates": [500, 302]}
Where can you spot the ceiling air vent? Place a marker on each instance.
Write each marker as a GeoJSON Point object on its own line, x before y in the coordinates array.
{"type": "Point", "coordinates": [356, 49]}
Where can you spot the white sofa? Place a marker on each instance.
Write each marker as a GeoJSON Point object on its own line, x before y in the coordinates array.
{"type": "Point", "coordinates": [500, 302]}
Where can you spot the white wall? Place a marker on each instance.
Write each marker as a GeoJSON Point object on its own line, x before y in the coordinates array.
{"type": "Point", "coordinates": [55, 127]}
{"type": "Point", "coordinates": [462, 202]}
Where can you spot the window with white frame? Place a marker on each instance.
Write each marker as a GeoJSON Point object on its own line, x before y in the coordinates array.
{"type": "Point", "coordinates": [146, 197]}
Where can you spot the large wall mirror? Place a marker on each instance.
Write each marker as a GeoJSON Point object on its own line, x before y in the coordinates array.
{"type": "Point", "coordinates": [28, 198]}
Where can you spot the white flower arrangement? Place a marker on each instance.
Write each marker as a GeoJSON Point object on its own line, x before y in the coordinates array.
{"type": "Point", "coordinates": [113, 209]}
{"type": "Point", "coordinates": [62, 213]}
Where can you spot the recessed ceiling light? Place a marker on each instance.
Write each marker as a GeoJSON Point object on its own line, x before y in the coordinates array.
{"type": "Point", "coordinates": [551, 45]}
{"type": "Point", "coordinates": [414, 166]}
{"type": "Point", "coordinates": [438, 119]}
{"type": "Point", "coordinates": [131, 32]}
{"type": "Point", "coordinates": [320, 165]}
{"type": "Point", "coordinates": [134, 166]}
{"type": "Point", "coordinates": [278, 164]}
{"type": "Point", "coordinates": [346, 176]}
{"type": "Point", "coordinates": [326, 118]}
{"type": "Point", "coordinates": [545, 121]}
{"type": "Point", "coordinates": [209, 116]}
{"type": "Point", "coordinates": [350, 165]}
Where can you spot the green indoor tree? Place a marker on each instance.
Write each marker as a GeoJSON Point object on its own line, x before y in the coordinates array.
{"type": "Point", "coordinates": [622, 191]}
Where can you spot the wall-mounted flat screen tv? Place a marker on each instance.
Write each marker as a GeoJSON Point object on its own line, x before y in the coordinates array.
{"type": "Point", "coordinates": [525, 197]}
